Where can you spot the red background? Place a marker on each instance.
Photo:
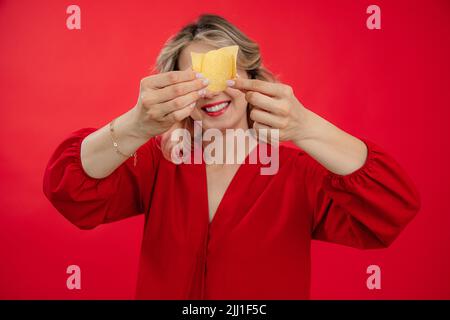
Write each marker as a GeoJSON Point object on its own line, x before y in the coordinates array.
{"type": "Point", "coordinates": [389, 85]}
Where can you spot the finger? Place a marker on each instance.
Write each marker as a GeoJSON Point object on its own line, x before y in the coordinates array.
{"type": "Point", "coordinates": [266, 103]}
{"type": "Point", "coordinates": [176, 90]}
{"type": "Point", "coordinates": [259, 126]}
{"type": "Point", "coordinates": [178, 103]}
{"type": "Point", "coordinates": [265, 133]}
{"type": "Point", "coordinates": [267, 118]}
{"type": "Point", "coordinates": [265, 87]}
{"type": "Point", "coordinates": [234, 93]}
{"type": "Point", "coordinates": [165, 79]}
{"type": "Point", "coordinates": [181, 114]}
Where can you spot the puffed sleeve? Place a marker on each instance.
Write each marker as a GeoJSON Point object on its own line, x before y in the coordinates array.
{"type": "Point", "coordinates": [365, 209]}
{"type": "Point", "coordinates": [88, 202]}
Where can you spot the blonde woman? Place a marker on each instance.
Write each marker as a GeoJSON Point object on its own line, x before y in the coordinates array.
{"type": "Point", "coordinates": [225, 231]}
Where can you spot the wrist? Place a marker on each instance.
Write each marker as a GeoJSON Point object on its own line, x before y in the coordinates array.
{"type": "Point", "coordinates": [308, 128]}
{"type": "Point", "coordinates": [135, 128]}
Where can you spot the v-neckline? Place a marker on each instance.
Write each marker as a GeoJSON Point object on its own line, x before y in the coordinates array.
{"type": "Point", "coordinates": [227, 190]}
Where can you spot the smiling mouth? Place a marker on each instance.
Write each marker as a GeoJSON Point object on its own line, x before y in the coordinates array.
{"type": "Point", "coordinates": [216, 109]}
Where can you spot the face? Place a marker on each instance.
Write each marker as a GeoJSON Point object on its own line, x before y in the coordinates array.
{"type": "Point", "coordinates": [234, 115]}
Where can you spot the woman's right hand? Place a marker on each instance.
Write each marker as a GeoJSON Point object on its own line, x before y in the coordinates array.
{"type": "Point", "coordinates": [165, 99]}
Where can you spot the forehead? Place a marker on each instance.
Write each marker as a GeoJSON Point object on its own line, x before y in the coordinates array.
{"type": "Point", "coordinates": [184, 61]}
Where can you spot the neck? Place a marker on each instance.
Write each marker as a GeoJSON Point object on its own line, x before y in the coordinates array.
{"type": "Point", "coordinates": [238, 139]}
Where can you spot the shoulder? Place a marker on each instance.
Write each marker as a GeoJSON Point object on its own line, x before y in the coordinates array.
{"type": "Point", "coordinates": [151, 149]}
{"type": "Point", "coordinates": [153, 143]}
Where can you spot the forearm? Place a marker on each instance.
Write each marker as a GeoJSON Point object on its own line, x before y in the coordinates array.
{"type": "Point", "coordinates": [98, 156]}
{"type": "Point", "coordinates": [336, 150]}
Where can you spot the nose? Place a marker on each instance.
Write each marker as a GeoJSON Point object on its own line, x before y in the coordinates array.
{"type": "Point", "coordinates": [210, 94]}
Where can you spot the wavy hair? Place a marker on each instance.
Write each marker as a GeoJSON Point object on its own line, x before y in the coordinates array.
{"type": "Point", "coordinates": [213, 30]}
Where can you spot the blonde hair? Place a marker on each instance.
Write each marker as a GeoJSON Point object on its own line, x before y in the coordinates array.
{"type": "Point", "coordinates": [217, 32]}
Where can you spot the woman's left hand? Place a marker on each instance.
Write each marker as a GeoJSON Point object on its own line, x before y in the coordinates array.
{"type": "Point", "coordinates": [275, 107]}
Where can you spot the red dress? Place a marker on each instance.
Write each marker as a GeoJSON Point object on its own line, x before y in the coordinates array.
{"type": "Point", "coordinates": [258, 244]}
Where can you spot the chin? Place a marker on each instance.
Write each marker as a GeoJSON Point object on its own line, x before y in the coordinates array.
{"type": "Point", "coordinates": [217, 124]}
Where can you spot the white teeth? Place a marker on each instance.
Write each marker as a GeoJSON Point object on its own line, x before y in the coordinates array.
{"type": "Point", "coordinates": [217, 107]}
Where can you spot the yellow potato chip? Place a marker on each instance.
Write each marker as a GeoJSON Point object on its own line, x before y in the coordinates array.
{"type": "Point", "coordinates": [216, 65]}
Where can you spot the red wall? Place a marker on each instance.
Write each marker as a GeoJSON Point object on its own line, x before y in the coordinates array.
{"type": "Point", "coordinates": [389, 85]}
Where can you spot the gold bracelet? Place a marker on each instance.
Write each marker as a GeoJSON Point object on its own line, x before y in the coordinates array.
{"type": "Point", "coordinates": [116, 146]}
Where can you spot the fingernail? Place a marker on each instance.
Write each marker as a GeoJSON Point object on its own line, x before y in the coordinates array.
{"type": "Point", "coordinates": [205, 81]}
{"type": "Point", "coordinates": [231, 83]}
{"type": "Point", "coordinates": [192, 105]}
{"type": "Point", "coordinates": [202, 92]}
{"type": "Point", "coordinates": [199, 75]}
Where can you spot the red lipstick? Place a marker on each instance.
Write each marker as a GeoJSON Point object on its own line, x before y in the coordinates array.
{"type": "Point", "coordinates": [214, 112]}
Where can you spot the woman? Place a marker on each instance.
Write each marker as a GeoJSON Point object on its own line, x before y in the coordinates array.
{"type": "Point", "coordinates": [226, 231]}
